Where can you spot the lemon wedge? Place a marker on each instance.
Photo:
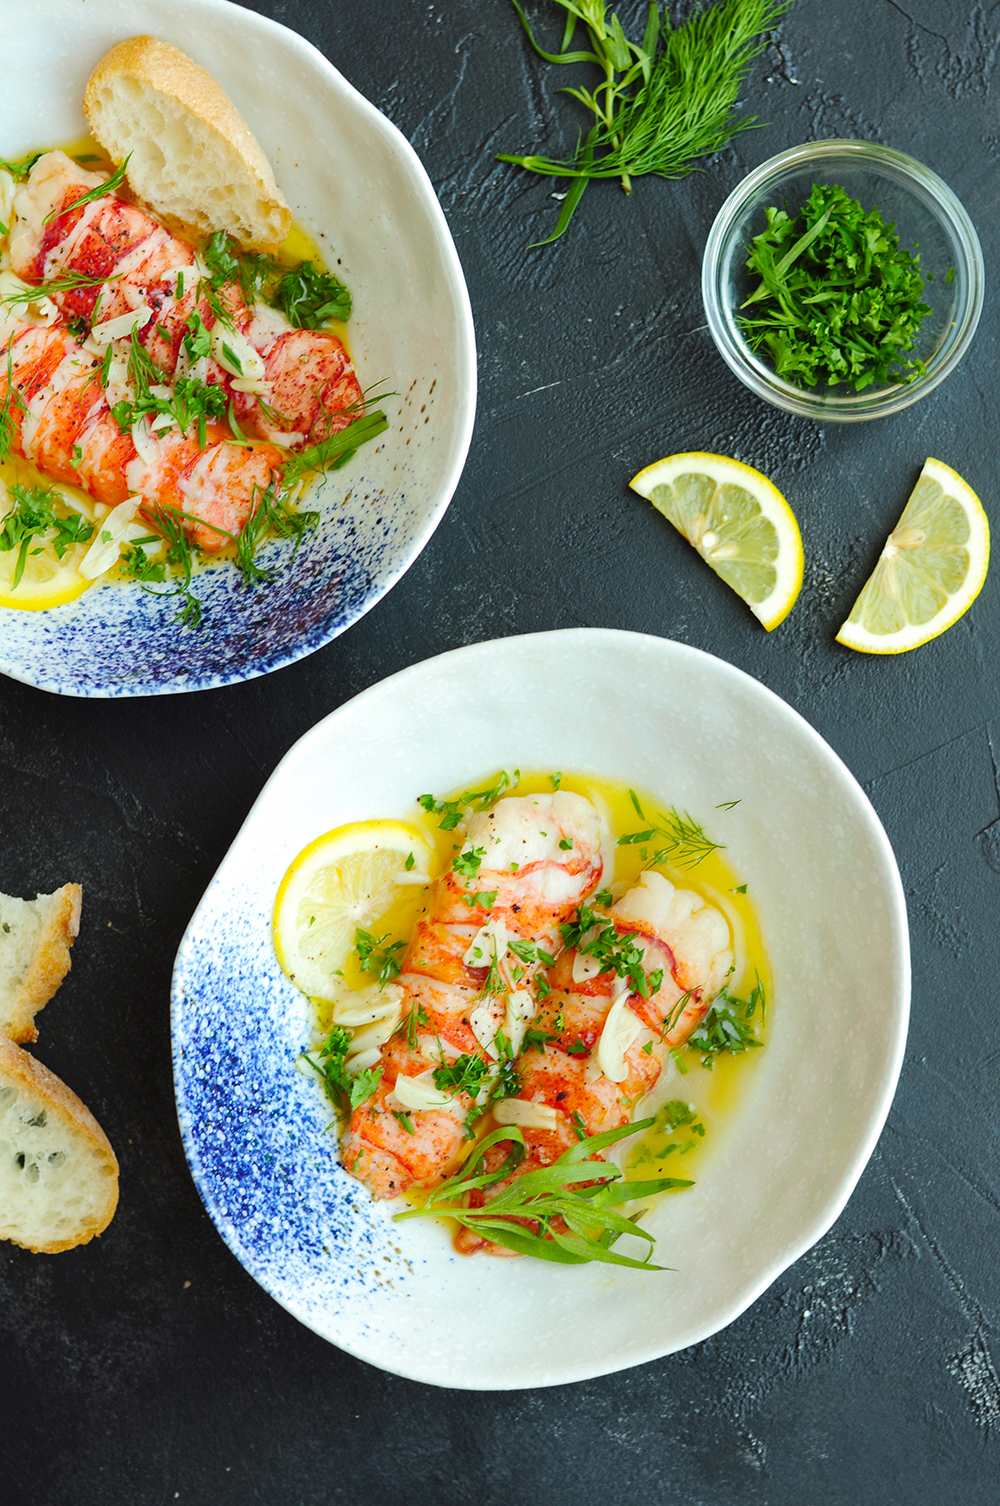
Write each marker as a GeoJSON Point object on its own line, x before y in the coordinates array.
{"type": "Point", "coordinates": [931, 569]}
{"type": "Point", "coordinates": [739, 523]}
{"type": "Point", "coordinates": [47, 581]}
{"type": "Point", "coordinates": [343, 881]}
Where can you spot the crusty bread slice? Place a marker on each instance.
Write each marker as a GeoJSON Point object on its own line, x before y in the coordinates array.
{"type": "Point", "coordinates": [35, 938]}
{"type": "Point", "coordinates": [193, 157]}
{"type": "Point", "coordinates": [58, 1173]}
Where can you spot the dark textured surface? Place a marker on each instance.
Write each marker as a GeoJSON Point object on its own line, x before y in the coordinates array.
{"type": "Point", "coordinates": [148, 1367]}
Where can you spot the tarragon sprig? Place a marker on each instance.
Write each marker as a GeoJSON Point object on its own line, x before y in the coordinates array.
{"type": "Point", "coordinates": [573, 1191]}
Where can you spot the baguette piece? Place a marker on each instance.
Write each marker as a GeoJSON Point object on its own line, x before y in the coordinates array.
{"type": "Point", "coordinates": [35, 938]}
{"type": "Point", "coordinates": [192, 156]}
{"type": "Point", "coordinates": [58, 1173]}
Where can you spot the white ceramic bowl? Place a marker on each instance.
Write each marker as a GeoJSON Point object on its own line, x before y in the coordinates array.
{"type": "Point", "coordinates": [819, 866]}
{"type": "Point", "coordinates": [355, 182]}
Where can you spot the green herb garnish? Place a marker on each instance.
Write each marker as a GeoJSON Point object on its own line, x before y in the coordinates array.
{"type": "Point", "coordinates": [663, 102]}
{"type": "Point", "coordinates": [375, 957]}
{"type": "Point", "coordinates": [98, 192]}
{"type": "Point", "coordinates": [466, 865]}
{"type": "Point", "coordinates": [838, 300]}
{"type": "Point", "coordinates": [309, 297]}
{"type": "Point", "coordinates": [574, 1191]}
{"type": "Point", "coordinates": [730, 1025]}
{"type": "Point", "coordinates": [452, 811]}
{"type": "Point", "coordinates": [466, 1075]}
{"type": "Point", "coordinates": [345, 1090]}
{"type": "Point", "coordinates": [32, 517]}
{"type": "Point", "coordinates": [685, 842]}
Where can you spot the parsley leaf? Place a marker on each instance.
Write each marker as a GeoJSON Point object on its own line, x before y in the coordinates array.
{"type": "Point", "coordinates": [309, 297]}
{"type": "Point", "coordinates": [839, 300]}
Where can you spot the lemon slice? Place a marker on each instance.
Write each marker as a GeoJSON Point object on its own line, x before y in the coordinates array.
{"type": "Point", "coordinates": [346, 879]}
{"type": "Point", "coordinates": [931, 569]}
{"type": "Point", "coordinates": [47, 580]}
{"type": "Point", "coordinates": [739, 523]}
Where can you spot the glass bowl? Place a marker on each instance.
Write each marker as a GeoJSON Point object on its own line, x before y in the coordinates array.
{"type": "Point", "coordinates": [927, 217]}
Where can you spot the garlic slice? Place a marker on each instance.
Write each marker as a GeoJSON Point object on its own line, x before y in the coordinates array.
{"type": "Point", "coordinates": [121, 325]}
{"type": "Point", "coordinates": [365, 1005]}
{"type": "Point", "coordinates": [484, 1028]}
{"type": "Point", "coordinates": [363, 1060]}
{"type": "Point", "coordinates": [492, 935]}
{"type": "Point", "coordinates": [621, 1030]}
{"type": "Point", "coordinates": [520, 1009]}
{"type": "Point", "coordinates": [420, 1093]}
{"type": "Point", "coordinates": [236, 355]}
{"type": "Point", "coordinates": [112, 532]}
{"type": "Point", "coordinates": [526, 1115]}
{"type": "Point", "coordinates": [372, 1037]}
{"type": "Point", "coordinates": [585, 967]}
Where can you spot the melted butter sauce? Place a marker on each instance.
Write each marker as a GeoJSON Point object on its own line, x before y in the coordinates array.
{"type": "Point", "coordinates": [710, 1093]}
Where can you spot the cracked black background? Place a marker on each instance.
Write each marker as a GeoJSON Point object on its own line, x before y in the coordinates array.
{"type": "Point", "coordinates": [148, 1367]}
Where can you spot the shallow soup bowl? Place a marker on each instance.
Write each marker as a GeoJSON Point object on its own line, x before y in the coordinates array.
{"type": "Point", "coordinates": [697, 733]}
{"type": "Point", "coordinates": [357, 187]}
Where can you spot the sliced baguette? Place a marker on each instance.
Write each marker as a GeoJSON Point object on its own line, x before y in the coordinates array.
{"type": "Point", "coordinates": [35, 938]}
{"type": "Point", "coordinates": [58, 1173]}
{"type": "Point", "coordinates": [192, 156]}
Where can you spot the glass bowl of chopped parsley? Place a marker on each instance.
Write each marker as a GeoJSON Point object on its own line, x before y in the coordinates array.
{"type": "Point", "coordinates": [842, 280]}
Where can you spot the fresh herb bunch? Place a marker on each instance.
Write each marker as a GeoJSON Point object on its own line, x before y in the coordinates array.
{"type": "Point", "coordinates": [32, 517]}
{"type": "Point", "coordinates": [575, 1223]}
{"type": "Point", "coordinates": [664, 101]}
{"type": "Point", "coordinates": [839, 300]}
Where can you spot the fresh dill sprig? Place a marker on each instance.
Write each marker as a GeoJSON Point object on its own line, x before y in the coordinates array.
{"type": "Point", "coordinates": [684, 843]}
{"type": "Point", "coordinates": [12, 399]}
{"type": "Point", "coordinates": [68, 282]}
{"type": "Point", "coordinates": [109, 186]}
{"type": "Point", "coordinates": [664, 101]}
{"type": "Point", "coordinates": [572, 1201]}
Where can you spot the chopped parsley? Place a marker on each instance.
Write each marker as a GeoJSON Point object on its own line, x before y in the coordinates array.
{"type": "Point", "coordinates": [32, 517]}
{"type": "Point", "coordinates": [375, 957]}
{"type": "Point", "coordinates": [452, 811]}
{"type": "Point", "coordinates": [345, 1090]}
{"type": "Point", "coordinates": [730, 1025]}
{"type": "Point", "coordinates": [466, 1075]}
{"type": "Point", "coordinates": [309, 297]}
{"type": "Point", "coordinates": [839, 300]}
{"type": "Point", "coordinates": [466, 865]}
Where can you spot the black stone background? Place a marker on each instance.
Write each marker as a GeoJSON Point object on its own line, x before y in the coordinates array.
{"type": "Point", "coordinates": [148, 1367]}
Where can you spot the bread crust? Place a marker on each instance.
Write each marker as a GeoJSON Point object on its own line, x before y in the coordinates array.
{"type": "Point", "coordinates": [48, 967]}
{"type": "Point", "coordinates": [20, 1070]}
{"type": "Point", "coordinates": [163, 68]}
